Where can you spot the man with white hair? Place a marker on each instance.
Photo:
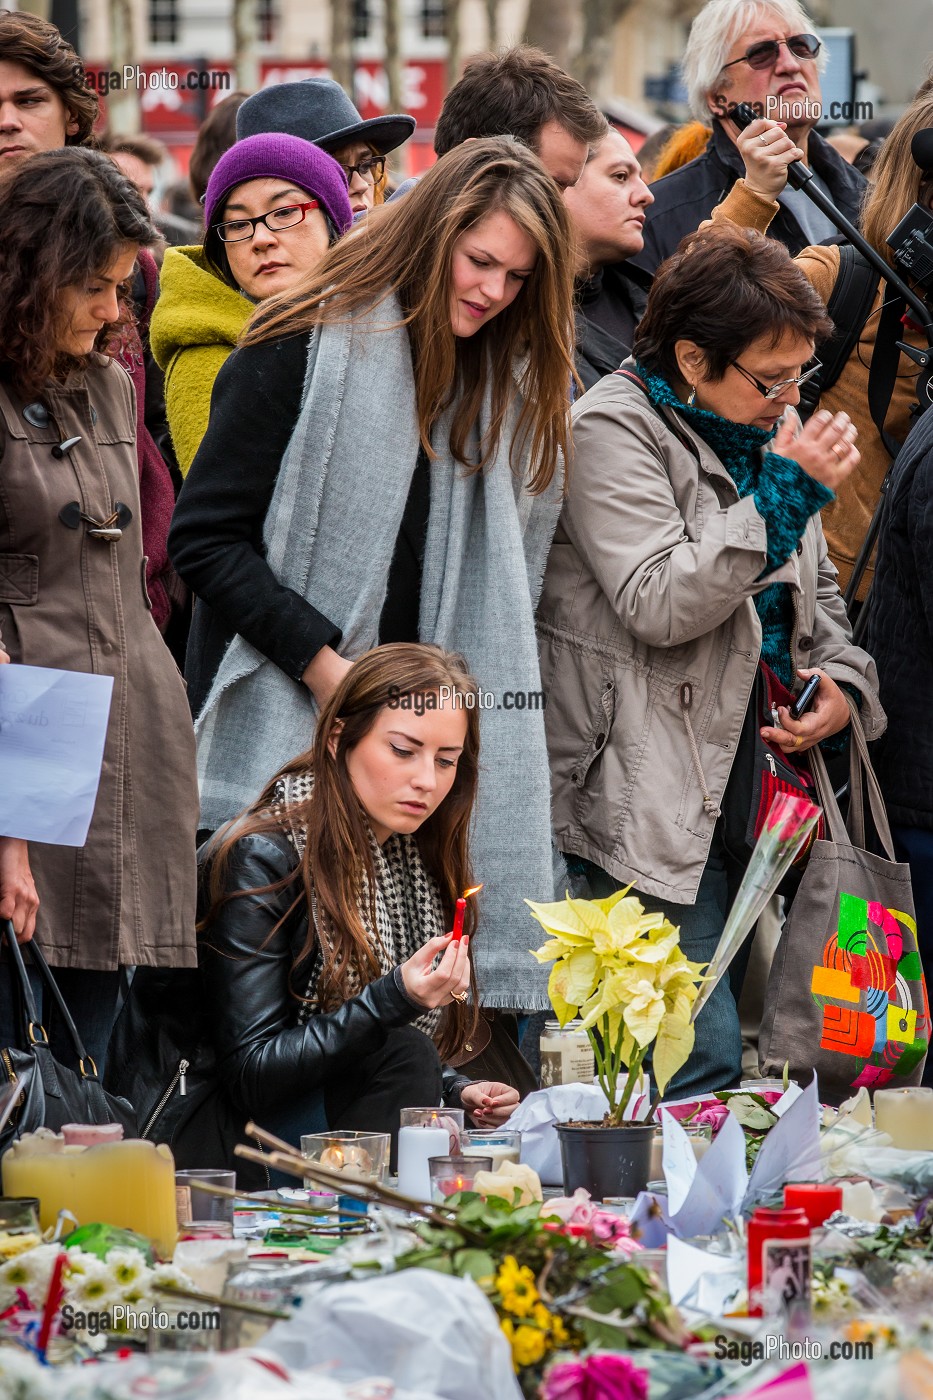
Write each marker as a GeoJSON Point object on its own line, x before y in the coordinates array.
{"type": "Point", "coordinates": [762, 52]}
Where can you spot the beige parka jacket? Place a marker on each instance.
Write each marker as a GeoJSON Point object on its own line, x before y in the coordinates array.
{"type": "Point", "coordinates": [648, 633]}
{"type": "Point", "coordinates": [76, 602]}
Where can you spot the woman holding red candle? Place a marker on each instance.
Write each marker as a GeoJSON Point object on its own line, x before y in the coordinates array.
{"type": "Point", "coordinates": [418, 384]}
{"type": "Point", "coordinates": [333, 989]}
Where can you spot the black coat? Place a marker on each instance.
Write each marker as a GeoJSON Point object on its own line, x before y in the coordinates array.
{"type": "Point", "coordinates": [615, 296]}
{"type": "Point", "coordinates": [216, 539]}
{"type": "Point", "coordinates": [683, 199]}
{"type": "Point", "coordinates": [900, 632]}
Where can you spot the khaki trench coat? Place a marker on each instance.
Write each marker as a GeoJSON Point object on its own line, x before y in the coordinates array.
{"type": "Point", "coordinates": [648, 631]}
{"type": "Point", "coordinates": [71, 601]}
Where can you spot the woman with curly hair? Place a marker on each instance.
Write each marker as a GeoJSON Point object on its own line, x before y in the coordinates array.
{"type": "Point", "coordinates": [72, 575]}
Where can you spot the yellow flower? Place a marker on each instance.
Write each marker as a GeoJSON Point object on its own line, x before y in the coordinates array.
{"type": "Point", "coordinates": [516, 1285]}
{"type": "Point", "coordinates": [559, 1334]}
{"type": "Point", "coordinates": [528, 1345]}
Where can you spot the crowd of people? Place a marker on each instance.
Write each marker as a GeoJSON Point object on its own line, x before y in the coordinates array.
{"type": "Point", "coordinates": [475, 511]}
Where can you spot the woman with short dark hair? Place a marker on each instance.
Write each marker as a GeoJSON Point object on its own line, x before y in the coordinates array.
{"type": "Point", "coordinates": [689, 550]}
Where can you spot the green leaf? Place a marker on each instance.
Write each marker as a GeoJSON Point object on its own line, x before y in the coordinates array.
{"type": "Point", "coordinates": [474, 1263]}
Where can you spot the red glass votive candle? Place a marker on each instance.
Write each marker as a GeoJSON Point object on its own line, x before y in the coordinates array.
{"type": "Point", "coordinates": [817, 1199]}
{"type": "Point", "coordinates": [772, 1235]}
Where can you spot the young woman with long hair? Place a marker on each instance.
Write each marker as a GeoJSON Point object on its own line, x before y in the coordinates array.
{"type": "Point", "coordinates": [72, 576]}
{"type": "Point", "coordinates": [419, 380]}
{"type": "Point", "coordinates": [333, 986]}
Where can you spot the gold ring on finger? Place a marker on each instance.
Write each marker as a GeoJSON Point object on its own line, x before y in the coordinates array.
{"type": "Point", "coordinates": [798, 741]}
{"type": "Point", "coordinates": [459, 996]}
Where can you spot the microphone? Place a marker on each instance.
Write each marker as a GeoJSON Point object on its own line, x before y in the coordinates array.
{"type": "Point", "coordinates": [798, 174]}
{"type": "Point", "coordinates": [921, 148]}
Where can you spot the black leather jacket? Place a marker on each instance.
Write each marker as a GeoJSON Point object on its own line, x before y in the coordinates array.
{"type": "Point", "coordinates": [264, 1056]}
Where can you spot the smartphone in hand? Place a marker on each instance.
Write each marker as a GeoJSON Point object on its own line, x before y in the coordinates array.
{"type": "Point", "coordinates": [805, 699]}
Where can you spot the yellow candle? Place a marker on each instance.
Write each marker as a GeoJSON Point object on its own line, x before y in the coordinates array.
{"type": "Point", "coordinates": [130, 1184]}
{"type": "Point", "coordinates": [906, 1115]}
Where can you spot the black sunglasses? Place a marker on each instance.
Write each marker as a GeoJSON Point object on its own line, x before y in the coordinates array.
{"type": "Point", "coordinates": [765, 54]}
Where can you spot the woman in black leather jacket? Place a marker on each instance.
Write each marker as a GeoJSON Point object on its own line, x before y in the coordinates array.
{"type": "Point", "coordinates": [334, 991]}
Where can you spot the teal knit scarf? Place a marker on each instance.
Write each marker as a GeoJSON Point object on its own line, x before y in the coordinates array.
{"type": "Point", "coordinates": [738, 446]}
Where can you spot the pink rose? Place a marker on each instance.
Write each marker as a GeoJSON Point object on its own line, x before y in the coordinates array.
{"type": "Point", "coordinates": [771, 1095]}
{"type": "Point", "coordinates": [577, 1209]}
{"type": "Point", "coordinates": [714, 1116]}
{"type": "Point", "coordinates": [604, 1376]}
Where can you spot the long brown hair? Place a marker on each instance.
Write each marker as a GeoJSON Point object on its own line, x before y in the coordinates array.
{"type": "Point", "coordinates": [65, 216]}
{"type": "Point", "coordinates": [407, 247]}
{"type": "Point", "coordinates": [896, 181]}
{"type": "Point", "coordinates": [337, 851]}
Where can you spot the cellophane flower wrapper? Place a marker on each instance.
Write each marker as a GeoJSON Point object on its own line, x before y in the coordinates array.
{"type": "Point", "coordinates": [787, 827]}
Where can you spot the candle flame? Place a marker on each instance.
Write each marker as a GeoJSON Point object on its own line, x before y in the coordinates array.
{"type": "Point", "coordinates": [475, 889]}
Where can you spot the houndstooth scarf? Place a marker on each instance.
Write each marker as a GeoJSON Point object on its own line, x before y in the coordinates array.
{"type": "Point", "coordinates": [408, 902]}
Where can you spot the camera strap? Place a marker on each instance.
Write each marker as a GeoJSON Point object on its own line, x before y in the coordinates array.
{"type": "Point", "coordinates": [849, 307]}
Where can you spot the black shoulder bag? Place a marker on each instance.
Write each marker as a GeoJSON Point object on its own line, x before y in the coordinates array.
{"type": "Point", "coordinates": [52, 1094]}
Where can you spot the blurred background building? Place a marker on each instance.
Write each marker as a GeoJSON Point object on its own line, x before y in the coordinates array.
{"type": "Point", "coordinates": [403, 54]}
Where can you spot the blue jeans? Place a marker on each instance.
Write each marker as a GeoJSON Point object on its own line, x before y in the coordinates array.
{"type": "Point", "coordinates": [91, 997]}
{"type": "Point", "coordinates": [915, 845]}
{"type": "Point", "coordinates": [716, 1061]}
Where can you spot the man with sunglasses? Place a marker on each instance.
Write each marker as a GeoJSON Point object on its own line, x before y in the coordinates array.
{"type": "Point", "coordinates": [762, 52]}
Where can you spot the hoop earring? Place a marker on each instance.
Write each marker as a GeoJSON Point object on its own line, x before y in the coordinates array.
{"type": "Point", "coordinates": [692, 396]}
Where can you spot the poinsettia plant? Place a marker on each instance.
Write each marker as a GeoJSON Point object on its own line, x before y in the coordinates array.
{"type": "Point", "coordinates": [623, 972]}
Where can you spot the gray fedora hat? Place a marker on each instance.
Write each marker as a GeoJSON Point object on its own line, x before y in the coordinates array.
{"type": "Point", "coordinates": [318, 110]}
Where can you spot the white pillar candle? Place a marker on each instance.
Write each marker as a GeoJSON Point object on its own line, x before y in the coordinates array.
{"type": "Point", "coordinates": [906, 1115]}
{"type": "Point", "coordinates": [415, 1146]}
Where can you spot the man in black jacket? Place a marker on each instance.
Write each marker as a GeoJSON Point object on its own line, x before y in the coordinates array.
{"type": "Point", "coordinates": [608, 206]}
{"type": "Point", "coordinates": [771, 61]}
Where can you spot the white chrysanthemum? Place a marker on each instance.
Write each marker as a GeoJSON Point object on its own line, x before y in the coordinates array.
{"type": "Point", "coordinates": [79, 1259]}
{"type": "Point", "coordinates": [93, 1290]}
{"type": "Point", "coordinates": [29, 1272]}
{"type": "Point", "coordinates": [127, 1267]}
{"type": "Point", "coordinates": [170, 1276]}
{"type": "Point", "coordinates": [137, 1295]}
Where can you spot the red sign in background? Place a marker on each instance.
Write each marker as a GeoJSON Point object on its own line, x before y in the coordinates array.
{"type": "Point", "coordinates": [173, 114]}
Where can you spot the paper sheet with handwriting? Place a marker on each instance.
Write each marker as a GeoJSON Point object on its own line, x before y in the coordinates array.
{"type": "Point", "coordinates": [52, 730]}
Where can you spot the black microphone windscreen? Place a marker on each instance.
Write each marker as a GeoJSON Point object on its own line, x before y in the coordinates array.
{"type": "Point", "coordinates": [921, 148]}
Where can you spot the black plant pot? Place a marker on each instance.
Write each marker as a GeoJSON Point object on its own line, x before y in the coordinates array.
{"type": "Point", "coordinates": [606, 1161]}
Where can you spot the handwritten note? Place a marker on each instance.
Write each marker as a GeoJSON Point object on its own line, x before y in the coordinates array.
{"type": "Point", "coordinates": [53, 725]}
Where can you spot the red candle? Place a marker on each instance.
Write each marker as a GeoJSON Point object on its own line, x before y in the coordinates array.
{"type": "Point", "coordinates": [460, 911]}
{"type": "Point", "coordinates": [52, 1300]}
{"type": "Point", "coordinates": [817, 1199]}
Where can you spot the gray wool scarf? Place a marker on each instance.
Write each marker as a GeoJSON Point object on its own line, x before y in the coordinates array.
{"type": "Point", "coordinates": [330, 534]}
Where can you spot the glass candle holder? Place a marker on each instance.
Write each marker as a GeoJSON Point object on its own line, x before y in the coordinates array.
{"type": "Point", "coordinates": [425, 1133]}
{"type": "Point", "coordinates": [907, 1116]}
{"type": "Point", "coordinates": [193, 1204]}
{"type": "Point", "coordinates": [357, 1156]}
{"type": "Point", "coordinates": [450, 1175]}
{"type": "Point", "coordinates": [499, 1144]}
{"type": "Point", "coordinates": [205, 1230]}
{"type": "Point", "coordinates": [19, 1225]}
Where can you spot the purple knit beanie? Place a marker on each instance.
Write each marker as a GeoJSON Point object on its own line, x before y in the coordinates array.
{"type": "Point", "coordinates": [281, 157]}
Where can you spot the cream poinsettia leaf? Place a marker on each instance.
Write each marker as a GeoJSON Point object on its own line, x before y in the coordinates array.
{"type": "Point", "coordinates": [672, 1048]}
{"type": "Point", "coordinates": [643, 1013]}
{"type": "Point", "coordinates": [563, 1010]}
{"type": "Point", "coordinates": [554, 948]}
{"type": "Point", "coordinates": [575, 978]}
{"type": "Point", "coordinates": [555, 920]}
